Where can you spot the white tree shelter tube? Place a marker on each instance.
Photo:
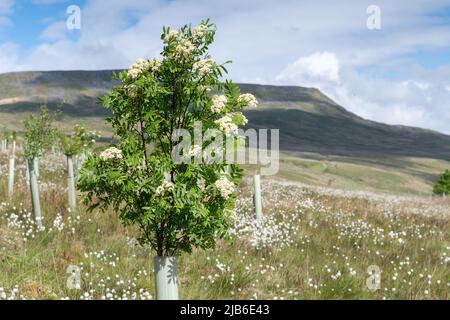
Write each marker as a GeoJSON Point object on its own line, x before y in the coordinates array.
{"type": "Point", "coordinates": [257, 197]}
{"type": "Point", "coordinates": [27, 173]}
{"type": "Point", "coordinates": [166, 278]}
{"type": "Point", "coordinates": [71, 184]}
{"type": "Point", "coordinates": [11, 170]}
{"type": "Point", "coordinates": [36, 167]}
{"type": "Point", "coordinates": [34, 188]}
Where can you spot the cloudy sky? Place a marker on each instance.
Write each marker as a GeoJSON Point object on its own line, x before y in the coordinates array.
{"type": "Point", "coordinates": [398, 73]}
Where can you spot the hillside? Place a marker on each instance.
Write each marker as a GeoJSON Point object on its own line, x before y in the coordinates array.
{"type": "Point", "coordinates": [316, 134]}
{"type": "Point", "coordinates": [308, 120]}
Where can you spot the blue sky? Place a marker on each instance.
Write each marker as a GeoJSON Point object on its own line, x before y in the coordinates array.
{"type": "Point", "coordinates": [399, 74]}
{"type": "Point", "coordinates": [30, 18]}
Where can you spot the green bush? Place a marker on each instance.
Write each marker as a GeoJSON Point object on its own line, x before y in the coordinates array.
{"type": "Point", "coordinates": [442, 187]}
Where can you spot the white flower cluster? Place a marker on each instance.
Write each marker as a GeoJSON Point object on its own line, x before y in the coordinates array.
{"type": "Point", "coordinates": [218, 103]}
{"type": "Point", "coordinates": [111, 153]}
{"type": "Point", "coordinates": [204, 88]}
{"type": "Point", "coordinates": [225, 186]}
{"type": "Point", "coordinates": [195, 150]}
{"type": "Point", "coordinates": [227, 126]}
{"type": "Point", "coordinates": [201, 184]}
{"type": "Point", "coordinates": [137, 68]}
{"type": "Point", "coordinates": [248, 100]}
{"type": "Point", "coordinates": [173, 34]}
{"type": "Point", "coordinates": [202, 67]}
{"type": "Point", "coordinates": [184, 49]}
{"type": "Point", "coordinates": [199, 32]}
{"type": "Point", "coordinates": [154, 64]}
{"type": "Point", "coordinates": [165, 187]}
{"type": "Point", "coordinates": [142, 65]}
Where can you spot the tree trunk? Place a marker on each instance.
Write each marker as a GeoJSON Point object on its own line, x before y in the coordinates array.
{"type": "Point", "coordinates": [166, 278]}
{"type": "Point", "coordinates": [34, 188]}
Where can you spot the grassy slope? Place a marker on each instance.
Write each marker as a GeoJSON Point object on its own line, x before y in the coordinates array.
{"type": "Point", "coordinates": [327, 243]}
{"type": "Point", "coordinates": [398, 176]}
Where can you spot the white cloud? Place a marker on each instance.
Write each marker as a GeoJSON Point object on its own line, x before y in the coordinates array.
{"type": "Point", "coordinates": [319, 66]}
{"type": "Point", "coordinates": [6, 7]}
{"type": "Point", "coordinates": [8, 50]}
{"type": "Point", "coordinates": [47, 2]}
{"type": "Point", "coordinates": [421, 102]}
{"type": "Point", "coordinates": [8, 56]}
{"type": "Point", "coordinates": [55, 31]}
{"type": "Point", "coordinates": [263, 37]}
{"type": "Point", "coordinates": [5, 22]}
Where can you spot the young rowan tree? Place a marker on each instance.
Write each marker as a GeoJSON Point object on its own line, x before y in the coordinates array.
{"type": "Point", "coordinates": [177, 206]}
{"type": "Point", "coordinates": [39, 136]}
{"type": "Point", "coordinates": [76, 144]}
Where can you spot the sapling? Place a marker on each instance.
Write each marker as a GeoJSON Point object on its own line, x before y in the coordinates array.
{"type": "Point", "coordinates": [39, 135]}
{"type": "Point", "coordinates": [4, 141]}
{"type": "Point", "coordinates": [78, 143]}
{"type": "Point", "coordinates": [86, 140]}
{"type": "Point", "coordinates": [70, 148]}
{"type": "Point", "coordinates": [176, 205]}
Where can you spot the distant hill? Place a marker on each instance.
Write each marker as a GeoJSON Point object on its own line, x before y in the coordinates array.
{"type": "Point", "coordinates": [308, 120]}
